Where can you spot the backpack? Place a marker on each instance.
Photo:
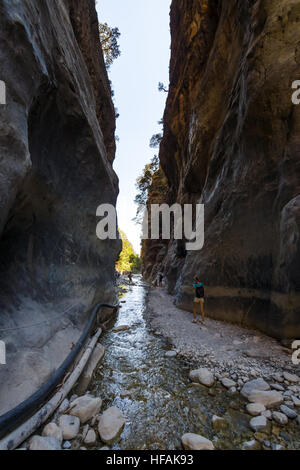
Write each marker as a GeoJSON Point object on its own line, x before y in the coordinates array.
{"type": "Point", "coordinates": [199, 292]}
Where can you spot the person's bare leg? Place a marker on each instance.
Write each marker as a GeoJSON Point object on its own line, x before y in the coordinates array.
{"type": "Point", "coordinates": [202, 313]}
{"type": "Point", "coordinates": [195, 312]}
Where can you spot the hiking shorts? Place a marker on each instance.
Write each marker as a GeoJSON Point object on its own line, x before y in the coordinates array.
{"type": "Point", "coordinates": [199, 300]}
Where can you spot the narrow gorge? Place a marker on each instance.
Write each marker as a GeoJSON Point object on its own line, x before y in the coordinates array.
{"type": "Point", "coordinates": [98, 346]}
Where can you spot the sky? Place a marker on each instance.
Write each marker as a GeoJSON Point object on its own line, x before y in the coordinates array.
{"type": "Point", "coordinates": [144, 61]}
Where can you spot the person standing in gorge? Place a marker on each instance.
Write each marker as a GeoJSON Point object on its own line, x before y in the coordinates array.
{"type": "Point", "coordinates": [198, 299]}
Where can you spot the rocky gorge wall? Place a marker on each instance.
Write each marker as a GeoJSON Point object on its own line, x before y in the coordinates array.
{"type": "Point", "coordinates": [56, 151]}
{"type": "Point", "coordinates": [232, 142]}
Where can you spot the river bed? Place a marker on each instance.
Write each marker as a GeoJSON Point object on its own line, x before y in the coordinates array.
{"type": "Point", "coordinates": [161, 403]}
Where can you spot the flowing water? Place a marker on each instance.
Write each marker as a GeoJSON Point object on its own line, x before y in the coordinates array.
{"type": "Point", "coordinates": [163, 404]}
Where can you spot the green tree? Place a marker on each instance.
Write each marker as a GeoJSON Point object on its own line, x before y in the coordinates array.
{"type": "Point", "coordinates": [143, 183]}
{"type": "Point", "coordinates": [128, 259]}
{"type": "Point", "coordinates": [109, 42]}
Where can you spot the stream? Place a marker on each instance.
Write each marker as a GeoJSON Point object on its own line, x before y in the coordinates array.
{"type": "Point", "coordinates": [162, 404]}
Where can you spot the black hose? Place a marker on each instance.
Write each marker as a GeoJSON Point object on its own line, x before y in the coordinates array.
{"type": "Point", "coordinates": [18, 415]}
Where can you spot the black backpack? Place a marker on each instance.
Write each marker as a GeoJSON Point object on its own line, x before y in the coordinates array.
{"type": "Point", "coordinates": [200, 292]}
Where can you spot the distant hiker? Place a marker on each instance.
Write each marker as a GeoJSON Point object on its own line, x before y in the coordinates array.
{"type": "Point", "coordinates": [198, 299]}
{"type": "Point", "coordinates": [130, 277]}
{"type": "Point", "coordinates": [160, 279]}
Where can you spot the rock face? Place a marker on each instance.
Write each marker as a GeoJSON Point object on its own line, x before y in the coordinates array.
{"type": "Point", "coordinates": [232, 142]}
{"type": "Point", "coordinates": [57, 147]}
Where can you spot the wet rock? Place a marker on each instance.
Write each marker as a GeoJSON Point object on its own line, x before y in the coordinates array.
{"type": "Point", "coordinates": [121, 328]}
{"type": "Point", "coordinates": [196, 442]}
{"type": "Point", "coordinates": [259, 423]}
{"type": "Point", "coordinates": [90, 438]}
{"type": "Point", "coordinates": [171, 354]}
{"type": "Point", "coordinates": [202, 376]}
{"type": "Point", "coordinates": [296, 401]}
{"type": "Point", "coordinates": [280, 418]}
{"type": "Point", "coordinates": [228, 383]}
{"type": "Point", "coordinates": [125, 394]}
{"type": "Point", "coordinates": [85, 408]}
{"type": "Point", "coordinates": [70, 426]}
{"type": "Point", "coordinates": [255, 409]}
{"type": "Point", "coordinates": [67, 445]}
{"type": "Point", "coordinates": [44, 443]}
{"type": "Point", "coordinates": [218, 423]}
{"type": "Point", "coordinates": [52, 430]}
{"type": "Point", "coordinates": [111, 424]}
{"type": "Point", "coordinates": [105, 448]}
{"type": "Point", "coordinates": [288, 412]}
{"type": "Point", "coordinates": [251, 445]}
{"type": "Point", "coordinates": [254, 385]}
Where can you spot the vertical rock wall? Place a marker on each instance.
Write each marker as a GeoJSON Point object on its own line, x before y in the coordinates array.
{"type": "Point", "coordinates": [232, 142]}
{"type": "Point", "coordinates": [56, 151]}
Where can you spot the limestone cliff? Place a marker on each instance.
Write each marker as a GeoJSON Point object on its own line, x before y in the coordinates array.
{"type": "Point", "coordinates": [56, 149]}
{"type": "Point", "coordinates": [232, 142]}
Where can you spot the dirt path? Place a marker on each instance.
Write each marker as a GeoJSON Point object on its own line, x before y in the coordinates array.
{"type": "Point", "coordinates": [224, 348]}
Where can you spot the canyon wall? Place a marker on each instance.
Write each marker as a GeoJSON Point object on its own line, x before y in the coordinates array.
{"type": "Point", "coordinates": [56, 151]}
{"type": "Point", "coordinates": [232, 142]}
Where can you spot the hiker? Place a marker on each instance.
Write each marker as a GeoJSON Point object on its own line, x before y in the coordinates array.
{"type": "Point", "coordinates": [130, 277]}
{"type": "Point", "coordinates": [198, 299]}
{"type": "Point", "coordinates": [160, 279]}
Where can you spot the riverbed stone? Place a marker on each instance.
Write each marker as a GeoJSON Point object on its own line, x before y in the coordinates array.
{"type": "Point", "coordinates": [69, 426]}
{"type": "Point", "coordinates": [293, 378]}
{"type": "Point", "coordinates": [258, 423]}
{"type": "Point", "coordinates": [111, 424]}
{"type": "Point", "coordinates": [277, 387]}
{"type": "Point", "coordinates": [90, 438]}
{"type": "Point", "coordinates": [255, 409]}
{"type": "Point", "coordinates": [267, 414]}
{"type": "Point", "coordinates": [192, 441]}
{"type": "Point", "coordinates": [218, 423]}
{"type": "Point", "coordinates": [44, 443]}
{"type": "Point", "coordinates": [296, 401]}
{"type": "Point", "coordinates": [254, 385]}
{"type": "Point", "coordinates": [85, 408]}
{"type": "Point", "coordinates": [228, 383]}
{"type": "Point", "coordinates": [52, 430]}
{"type": "Point", "coordinates": [170, 354]}
{"type": "Point", "coordinates": [288, 412]}
{"type": "Point", "coordinates": [121, 328]}
{"type": "Point", "coordinates": [202, 376]}
{"type": "Point", "coordinates": [251, 445]}
{"type": "Point", "coordinates": [269, 398]}
{"type": "Point", "coordinates": [280, 418]}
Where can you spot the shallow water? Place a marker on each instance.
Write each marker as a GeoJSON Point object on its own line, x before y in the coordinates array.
{"type": "Point", "coordinates": [163, 404]}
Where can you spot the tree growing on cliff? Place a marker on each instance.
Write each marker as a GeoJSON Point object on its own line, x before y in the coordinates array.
{"type": "Point", "coordinates": [143, 183]}
{"type": "Point", "coordinates": [109, 42]}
